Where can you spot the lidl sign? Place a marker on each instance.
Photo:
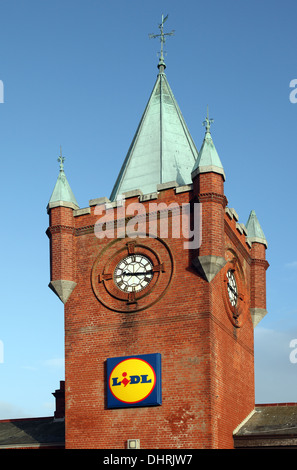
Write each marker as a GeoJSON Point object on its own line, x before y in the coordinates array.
{"type": "Point", "coordinates": [134, 381]}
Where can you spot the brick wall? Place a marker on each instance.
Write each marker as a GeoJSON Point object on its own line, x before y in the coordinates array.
{"type": "Point", "coordinates": [207, 360]}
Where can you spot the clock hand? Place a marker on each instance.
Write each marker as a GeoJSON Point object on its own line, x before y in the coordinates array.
{"type": "Point", "coordinates": [233, 290]}
{"type": "Point", "coordinates": [126, 273]}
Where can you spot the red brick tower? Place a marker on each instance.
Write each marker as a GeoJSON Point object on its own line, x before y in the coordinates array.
{"type": "Point", "coordinates": [158, 330]}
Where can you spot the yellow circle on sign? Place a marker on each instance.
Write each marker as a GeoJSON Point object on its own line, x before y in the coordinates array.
{"type": "Point", "coordinates": [132, 380]}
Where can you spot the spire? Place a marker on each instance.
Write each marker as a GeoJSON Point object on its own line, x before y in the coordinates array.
{"type": "Point", "coordinates": [62, 192]}
{"type": "Point", "coordinates": [162, 149]}
{"type": "Point", "coordinates": [162, 37]}
{"type": "Point", "coordinates": [208, 159]}
{"type": "Point", "coordinates": [254, 230]}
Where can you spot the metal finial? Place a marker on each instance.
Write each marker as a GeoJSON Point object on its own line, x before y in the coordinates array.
{"type": "Point", "coordinates": [162, 37]}
{"type": "Point", "coordinates": [207, 123]}
{"type": "Point", "coordinates": [61, 160]}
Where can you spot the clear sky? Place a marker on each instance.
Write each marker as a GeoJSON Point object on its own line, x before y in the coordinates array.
{"type": "Point", "coordinates": [78, 73]}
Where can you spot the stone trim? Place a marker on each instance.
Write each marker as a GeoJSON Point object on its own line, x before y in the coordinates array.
{"type": "Point", "coordinates": [257, 315]}
{"type": "Point", "coordinates": [169, 185]}
{"type": "Point", "coordinates": [62, 288]}
{"type": "Point", "coordinates": [208, 266]}
{"type": "Point", "coordinates": [70, 205]}
{"type": "Point", "coordinates": [98, 201]}
{"type": "Point", "coordinates": [78, 212]}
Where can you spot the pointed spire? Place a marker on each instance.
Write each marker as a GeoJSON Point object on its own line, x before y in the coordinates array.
{"type": "Point", "coordinates": [62, 192]}
{"type": "Point", "coordinates": [254, 230]}
{"type": "Point", "coordinates": [208, 159]}
{"type": "Point", "coordinates": [162, 150]}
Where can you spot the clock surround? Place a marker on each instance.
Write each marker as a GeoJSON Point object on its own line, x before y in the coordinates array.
{"type": "Point", "coordinates": [115, 294]}
{"type": "Point", "coordinates": [235, 290]}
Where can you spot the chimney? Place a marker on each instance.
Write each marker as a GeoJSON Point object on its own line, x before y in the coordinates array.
{"type": "Point", "coordinates": [60, 401]}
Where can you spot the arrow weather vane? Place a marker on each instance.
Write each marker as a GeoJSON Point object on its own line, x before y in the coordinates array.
{"type": "Point", "coordinates": [207, 123]}
{"type": "Point", "coordinates": [61, 159]}
{"type": "Point", "coordinates": [162, 35]}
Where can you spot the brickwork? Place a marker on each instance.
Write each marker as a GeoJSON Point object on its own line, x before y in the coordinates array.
{"type": "Point", "coordinates": [62, 249]}
{"type": "Point", "coordinates": [206, 346]}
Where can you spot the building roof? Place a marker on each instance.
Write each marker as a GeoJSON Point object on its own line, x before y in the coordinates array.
{"type": "Point", "coordinates": [270, 425]}
{"type": "Point", "coordinates": [208, 159]}
{"type": "Point", "coordinates": [32, 433]}
{"type": "Point", "coordinates": [254, 230]}
{"type": "Point", "coordinates": [62, 192]}
{"type": "Point", "coordinates": [162, 149]}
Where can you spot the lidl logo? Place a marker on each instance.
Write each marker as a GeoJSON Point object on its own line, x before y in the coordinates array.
{"type": "Point", "coordinates": [134, 381]}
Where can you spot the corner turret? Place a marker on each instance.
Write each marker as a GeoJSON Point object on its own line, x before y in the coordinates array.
{"type": "Point", "coordinates": [61, 232]}
{"type": "Point", "coordinates": [259, 265]}
{"type": "Point", "coordinates": [208, 178]}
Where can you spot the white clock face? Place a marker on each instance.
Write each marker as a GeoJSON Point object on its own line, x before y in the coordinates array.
{"type": "Point", "coordinates": [133, 273]}
{"type": "Point", "coordinates": [232, 288]}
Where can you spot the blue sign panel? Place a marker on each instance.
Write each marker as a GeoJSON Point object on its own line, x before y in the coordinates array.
{"type": "Point", "coordinates": [134, 381]}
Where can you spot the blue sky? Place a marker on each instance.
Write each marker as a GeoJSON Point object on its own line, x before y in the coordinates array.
{"type": "Point", "coordinates": [78, 73]}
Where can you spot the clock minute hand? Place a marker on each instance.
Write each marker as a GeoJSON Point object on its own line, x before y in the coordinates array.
{"type": "Point", "coordinates": [126, 273]}
{"type": "Point", "coordinates": [232, 289]}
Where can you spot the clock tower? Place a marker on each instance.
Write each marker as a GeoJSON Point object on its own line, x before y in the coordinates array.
{"type": "Point", "coordinates": [162, 287]}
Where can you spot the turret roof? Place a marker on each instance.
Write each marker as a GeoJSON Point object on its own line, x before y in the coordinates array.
{"type": "Point", "coordinates": [208, 159]}
{"type": "Point", "coordinates": [254, 230]}
{"type": "Point", "coordinates": [162, 149]}
{"type": "Point", "coordinates": [62, 191]}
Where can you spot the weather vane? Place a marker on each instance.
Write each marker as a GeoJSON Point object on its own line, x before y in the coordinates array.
{"type": "Point", "coordinates": [61, 159]}
{"type": "Point", "coordinates": [162, 35]}
{"type": "Point", "coordinates": [207, 123]}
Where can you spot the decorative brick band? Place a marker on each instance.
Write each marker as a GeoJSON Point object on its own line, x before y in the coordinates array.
{"type": "Point", "coordinates": [84, 230]}
{"type": "Point", "coordinates": [213, 197]}
{"type": "Point", "coordinates": [260, 262]}
{"type": "Point", "coordinates": [60, 229]}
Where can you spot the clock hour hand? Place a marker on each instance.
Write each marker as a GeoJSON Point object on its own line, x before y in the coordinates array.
{"type": "Point", "coordinates": [232, 290]}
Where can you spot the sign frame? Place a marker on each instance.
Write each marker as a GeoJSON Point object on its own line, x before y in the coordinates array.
{"type": "Point", "coordinates": [153, 398]}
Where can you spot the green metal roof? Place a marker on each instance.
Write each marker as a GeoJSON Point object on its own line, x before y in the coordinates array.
{"type": "Point", "coordinates": [162, 149]}
{"type": "Point", "coordinates": [208, 159]}
{"type": "Point", "coordinates": [62, 191]}
{"type": "Point", "coordinates": [254, 230]}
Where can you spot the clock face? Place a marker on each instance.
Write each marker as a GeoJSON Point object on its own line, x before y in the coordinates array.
{"type": "Point", "coordinates": [133, 273]}
{"type": "Point", "coordinates": [232, 288]}
{"type": "Point", "coordinates": [130, 275]}
{"type": "Point", "coordinates": [236, 290]}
